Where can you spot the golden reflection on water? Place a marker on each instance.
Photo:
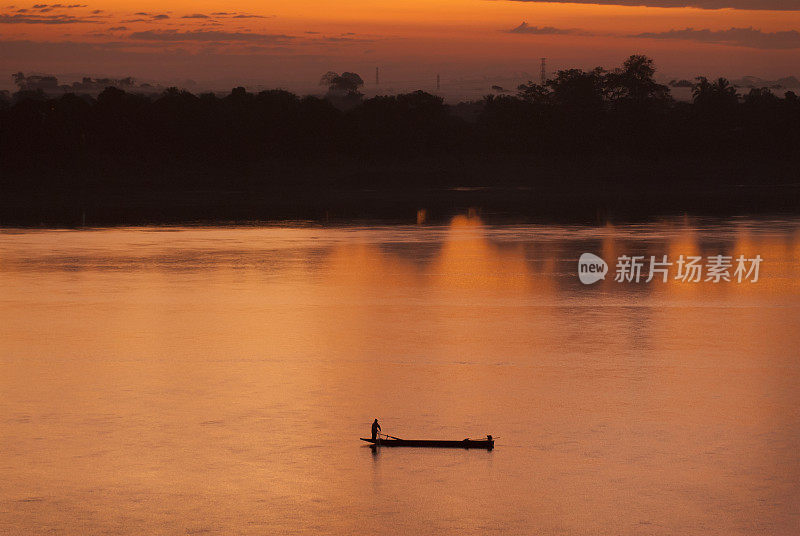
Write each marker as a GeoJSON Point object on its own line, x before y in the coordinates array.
{"type": "Point", "coordinates": [216, 380]}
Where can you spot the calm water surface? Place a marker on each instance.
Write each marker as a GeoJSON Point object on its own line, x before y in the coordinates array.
{"type": "Point", "coordinates": [216, 381]}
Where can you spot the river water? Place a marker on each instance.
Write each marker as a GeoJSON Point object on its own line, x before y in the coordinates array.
{"type": "Point", "coordinates": [217, 381]}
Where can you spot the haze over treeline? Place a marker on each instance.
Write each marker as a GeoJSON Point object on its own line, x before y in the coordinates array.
{"type": "Point", "coordinates": [275, 141]}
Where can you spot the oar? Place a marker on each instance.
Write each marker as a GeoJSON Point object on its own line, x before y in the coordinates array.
{"type": "Point", "coordinates": [387, 435]}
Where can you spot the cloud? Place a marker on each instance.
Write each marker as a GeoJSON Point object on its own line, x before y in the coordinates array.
{"type": "Point", "coordinates": [742, 37]}
{"type": "Point", "coordinates": [117, 28]}
{"type": "Point", "coordinates": [768, 5]}
{"type": "Point", "coordinates": [209, 36]}
{"type": "Point", "coordinates": [50, 7]}
{"type": "Point", "coordinates": [44, 19]}
{"type": "Point", "coordinates": [524, 28]}
{"type": "Point", "coordinates": [160, 17]}
{"type": "Point", "coordinates": [236, 15]}
{"type": "Point", "coordinates": [195, 16]}
{"type": "Point", "coordinates": [343, 39]}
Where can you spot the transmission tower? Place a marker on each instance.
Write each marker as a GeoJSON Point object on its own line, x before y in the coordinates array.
{"type": "Point", "coordinates": [544, 71]}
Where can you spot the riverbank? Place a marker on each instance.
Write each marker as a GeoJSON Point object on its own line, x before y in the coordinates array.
{"type": "Point", "coordinates": [502, 188]}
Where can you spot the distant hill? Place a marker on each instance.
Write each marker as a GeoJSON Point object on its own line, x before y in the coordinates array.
{"type": "Point", "coordinates": [787, 82]}
{"type": "Point", "coordinates": [49, 85]}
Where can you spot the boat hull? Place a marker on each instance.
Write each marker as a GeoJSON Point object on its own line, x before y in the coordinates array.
{"type": "Point", "coordinates": [433, 443]}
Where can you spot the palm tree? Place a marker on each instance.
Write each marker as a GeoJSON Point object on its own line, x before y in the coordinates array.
{"type": "Point", "coordinates": [718, 93]}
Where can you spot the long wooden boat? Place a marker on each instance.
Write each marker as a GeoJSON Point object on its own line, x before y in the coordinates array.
{"type": "Point", "coordinates": [487, 443]}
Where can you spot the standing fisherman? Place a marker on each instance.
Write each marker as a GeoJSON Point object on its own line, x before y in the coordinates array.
{"type": "Point", "coordinates": [375, 429]}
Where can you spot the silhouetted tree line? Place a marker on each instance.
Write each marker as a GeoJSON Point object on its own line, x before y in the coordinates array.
{"type": "Point", "coordinates": [622, 112]}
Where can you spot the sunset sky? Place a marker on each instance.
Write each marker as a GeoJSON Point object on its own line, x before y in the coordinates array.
{"type": "Point", "coordinates": [292, 43]}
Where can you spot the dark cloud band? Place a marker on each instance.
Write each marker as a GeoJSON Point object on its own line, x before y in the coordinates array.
{"type": "Point", "coordinates": [44, 19]}
{"type": "Point", "coordinates": [209, 36]}
{"type": "Point", "coordinates": [739, 37]}
{"type": "Point", "coordinates": [767, 5]}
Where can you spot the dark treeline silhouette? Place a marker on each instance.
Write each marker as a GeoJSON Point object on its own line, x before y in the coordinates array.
{"type": "Point", "coordinates": [618, 125]}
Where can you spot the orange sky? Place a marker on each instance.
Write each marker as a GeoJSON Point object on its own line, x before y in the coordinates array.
{"type": "Point", "coordinates": [292, 43]}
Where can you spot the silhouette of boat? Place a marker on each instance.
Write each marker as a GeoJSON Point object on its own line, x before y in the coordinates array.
{"type": "Point", "coordinates": [487, 443]}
